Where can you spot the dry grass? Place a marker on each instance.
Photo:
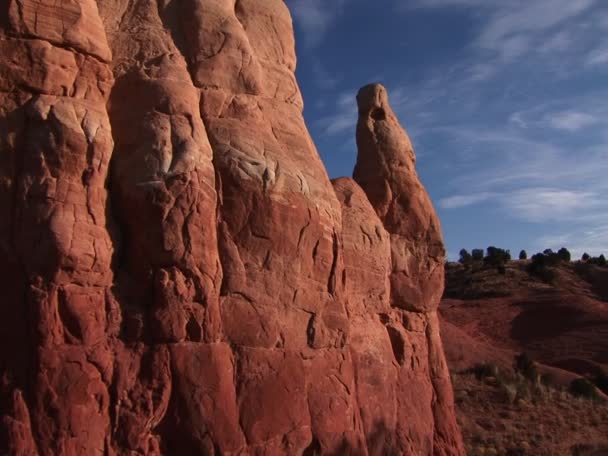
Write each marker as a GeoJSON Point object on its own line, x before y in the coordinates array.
{"type": "Point", "coordinates": [511, 416]}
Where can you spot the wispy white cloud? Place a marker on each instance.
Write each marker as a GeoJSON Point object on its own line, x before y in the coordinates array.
{"type": "Point", "coordinates": [515, 18]}
{"type": "Point", "coordinates": [512, 47]}
{"type": "Point", "coordinates": [518, 119]}
{"type": "Point", "coordinates": [315, 17]}
{"type": "Point", "coordinates": [570, 120]}
{"type": "Point", "coordinates": [597, 56]}
{"type": "Point", "coordinates": [443, 3]}
{"type": "Point", "coordinates": [557, 42]}
{"type": "Point", "coordinates": [578, 240]}
{"type": "Point", "coordinates": [343, 117]}
{"type": "Point", "coordinates": [338, 123]}
{"type": "Point", "coordinates": [570, 113]}
{"type": "Point", "coordinates": [533, 204]}
{"type": "Point", "coordinates": [482, 71]}
{"type": "Point", "coordinates": [460, 201]}
{"type": "Point", "coordinates": [549, 204]}
{"type": "Point", "coordinates": [510, 30]}
{"type": "Point", "coordinates": [322, 77]}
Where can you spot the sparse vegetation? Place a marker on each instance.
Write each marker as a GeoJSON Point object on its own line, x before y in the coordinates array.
{"type": "Point", "coordinates": [563, 254]}
{"type": "Point", "coordinates": [542, 263]}
{"type": "Point", "coordinates": [485, 370]}
{"type": "Point", "coordinates": [495, 256]}
{"type": "Point", "coordinates": [598, 261]}
{"type": "Point", "coordinates": [477, 254]}
{"type": "Point", "coordinates": [582, 387]}
{"type": "Point", "coordinates": [540, 266]}
{"type": "Point", "coordinates": [504, 412]}
{"type": "Point", "coordinates": [601, 381]}
{"type": "Point", "coordinates": [519, 410]}
{"type": "Point", "coordinates": [525, 366]}
{"type": "Point", "coordinates": [465, 257]}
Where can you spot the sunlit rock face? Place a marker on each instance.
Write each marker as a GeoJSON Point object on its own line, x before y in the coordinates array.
{"type": "Point", "coordinates": [178, 274]}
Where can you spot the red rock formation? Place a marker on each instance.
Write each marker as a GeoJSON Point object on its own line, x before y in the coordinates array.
{"type": "Point", "coordinates": [178, 274]}
{"type": "Point", "coordinates": [385, 171]}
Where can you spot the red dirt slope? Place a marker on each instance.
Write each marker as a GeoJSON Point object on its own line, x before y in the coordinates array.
{"type": "Point", "coordinates": [487, 316]}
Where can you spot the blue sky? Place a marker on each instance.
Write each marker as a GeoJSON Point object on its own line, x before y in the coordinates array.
{"type": "Point", "coordinates": [506, 102]}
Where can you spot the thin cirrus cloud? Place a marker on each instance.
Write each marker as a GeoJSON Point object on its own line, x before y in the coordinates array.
{"type": "Point", "coordinates": [323, 78]}
{"type": "Point", "coordinates": [560, 41]}
{"type": "Point", "coordinates": [460, 201]}
{"type": "Point", "coordinates": [532, 204]}
{"type": "Point", "coordinates": [571, 120]}
{"type": "Point", "coordinates": [315, 17]}
{"type": "Point", "coordinates": [597, 57]}
{"type": "Point", "coordinates": [579, 240]}
{"type": "Point", "coordinates": [546, 204]}
{"type": "Point", "coordinates": [343, 118]}
{"type": "Point", "coordinates": [511, 29]}
{"type": "Point", "coordinates": [570, 114]}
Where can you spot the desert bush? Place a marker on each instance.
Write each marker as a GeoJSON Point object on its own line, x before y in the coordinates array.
{"type": "Point", "coordinates": [598, 261]}
{"type": "Point", "coordinates": [524, 365]}
{"type": "Point", "coordinates": [547, 379]}
{"type": "Point", "coordinates": [581, 387]}
{"type": "Point", "coordinates": [465, 256]}
{"type": "Point", "coordinates": [477, 254]}
{"type": "Point", "coordinates": [496, 256]}
{"type": "Point", "coordinates": [601, 381]}
{"type": "Point", "coordinates": [563, 254]}
{"type": "Point", "coordinates": [524, 391]}
{"type": "Point", "coordinates": [523, 255]}
{"type": "Point", "coordinates": [541, 264]}
{"type": "Point", "coordinates": [585, 257]}
{"type": "Point", "coordinates": [485, 370]}
{"type": "Point", "coordinates": [508, 391]}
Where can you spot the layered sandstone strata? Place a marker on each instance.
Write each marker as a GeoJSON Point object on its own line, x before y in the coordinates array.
{"type": "Point", "coordinates": [178, 274]}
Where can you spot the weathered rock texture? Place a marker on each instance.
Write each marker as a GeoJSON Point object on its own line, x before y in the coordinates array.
{"type": "Point", "coordinates": [178, 276]}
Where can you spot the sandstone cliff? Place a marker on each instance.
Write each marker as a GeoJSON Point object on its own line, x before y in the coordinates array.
{"type": "Point", "coordinates": [178, 275]}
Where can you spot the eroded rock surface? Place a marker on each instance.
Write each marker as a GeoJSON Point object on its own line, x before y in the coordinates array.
{"type": "Point", "coordinates": [178, 274]}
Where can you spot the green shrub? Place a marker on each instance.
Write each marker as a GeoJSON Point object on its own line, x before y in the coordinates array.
{"type": "Point", "coordinates": [465, 257]}
{"type": "Point", "coordinates": [541, 264]}
{"type": "Point", "coordinates": [496, 257]}
{"type": "Point", "coordinates": [598, 261]}
{"type": "Point", "coordinates": [477, 254]}
{"type": "Point", "coordinates": [564, 255]}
